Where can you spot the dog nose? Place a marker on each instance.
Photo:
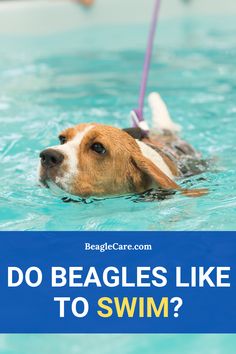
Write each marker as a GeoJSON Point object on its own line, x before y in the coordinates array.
{"type": "Point", "coordinates": [51, 157]}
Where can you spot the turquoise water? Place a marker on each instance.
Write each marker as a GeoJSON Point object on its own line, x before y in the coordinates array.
{"type": "Point", "coordinates": [49, 83]}
{"type": "Point", "coordinates": [117, 344]}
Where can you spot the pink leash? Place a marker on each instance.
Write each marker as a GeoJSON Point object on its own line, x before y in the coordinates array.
{"type": "Point", "coordinates": [137, 114]}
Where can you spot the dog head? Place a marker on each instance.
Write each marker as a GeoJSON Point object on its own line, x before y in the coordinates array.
{"type": "Point", "coordinates": [99, 160]}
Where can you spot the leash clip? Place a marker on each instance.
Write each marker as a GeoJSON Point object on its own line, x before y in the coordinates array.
{"type": "Point", "coordinates": [138, 122]}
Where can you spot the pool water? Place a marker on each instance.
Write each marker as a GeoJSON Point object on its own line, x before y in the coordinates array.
{"type": "Point", "coordinates": [49, 83]}
{"type": "Point", "coordinates": [127, 344]}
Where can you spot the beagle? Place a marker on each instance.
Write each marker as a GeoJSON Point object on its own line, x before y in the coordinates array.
{"type": "Point", "coordinates": [96, 160]}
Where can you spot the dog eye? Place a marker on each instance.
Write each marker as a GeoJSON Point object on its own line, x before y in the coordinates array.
{"type": "Point", "coordinates": [98, 148]}
{"type": "Point", "coordinates": [62, 139]}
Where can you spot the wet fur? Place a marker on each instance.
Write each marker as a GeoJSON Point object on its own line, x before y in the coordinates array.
{"type": "Point", "coordinates": [122, 170]}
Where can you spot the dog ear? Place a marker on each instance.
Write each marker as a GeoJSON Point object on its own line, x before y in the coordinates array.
{"type": "Point", "coordinates": [160, 179]}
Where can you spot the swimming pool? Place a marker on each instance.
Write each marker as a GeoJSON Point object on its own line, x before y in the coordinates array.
{"type": "Point", "coordinates": [51, 82]}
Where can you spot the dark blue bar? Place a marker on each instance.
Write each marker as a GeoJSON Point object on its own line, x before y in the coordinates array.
{"type": "Point", "coordinates": [207, 309]}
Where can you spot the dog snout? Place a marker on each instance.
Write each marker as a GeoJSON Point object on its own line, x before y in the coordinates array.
{"type": "Point", "coordinates": [51, 158]}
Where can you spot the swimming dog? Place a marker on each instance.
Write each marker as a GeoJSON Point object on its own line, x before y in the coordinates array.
{"type": "Point", "coordinates": [96, 160]}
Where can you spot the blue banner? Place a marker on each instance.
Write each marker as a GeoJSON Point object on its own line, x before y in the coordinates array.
{"type": "Point", "coordinates": [117, 282]}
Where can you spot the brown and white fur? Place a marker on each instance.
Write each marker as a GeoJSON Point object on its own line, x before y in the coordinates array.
{"type": "Point", "coordinates": [122, 165]}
